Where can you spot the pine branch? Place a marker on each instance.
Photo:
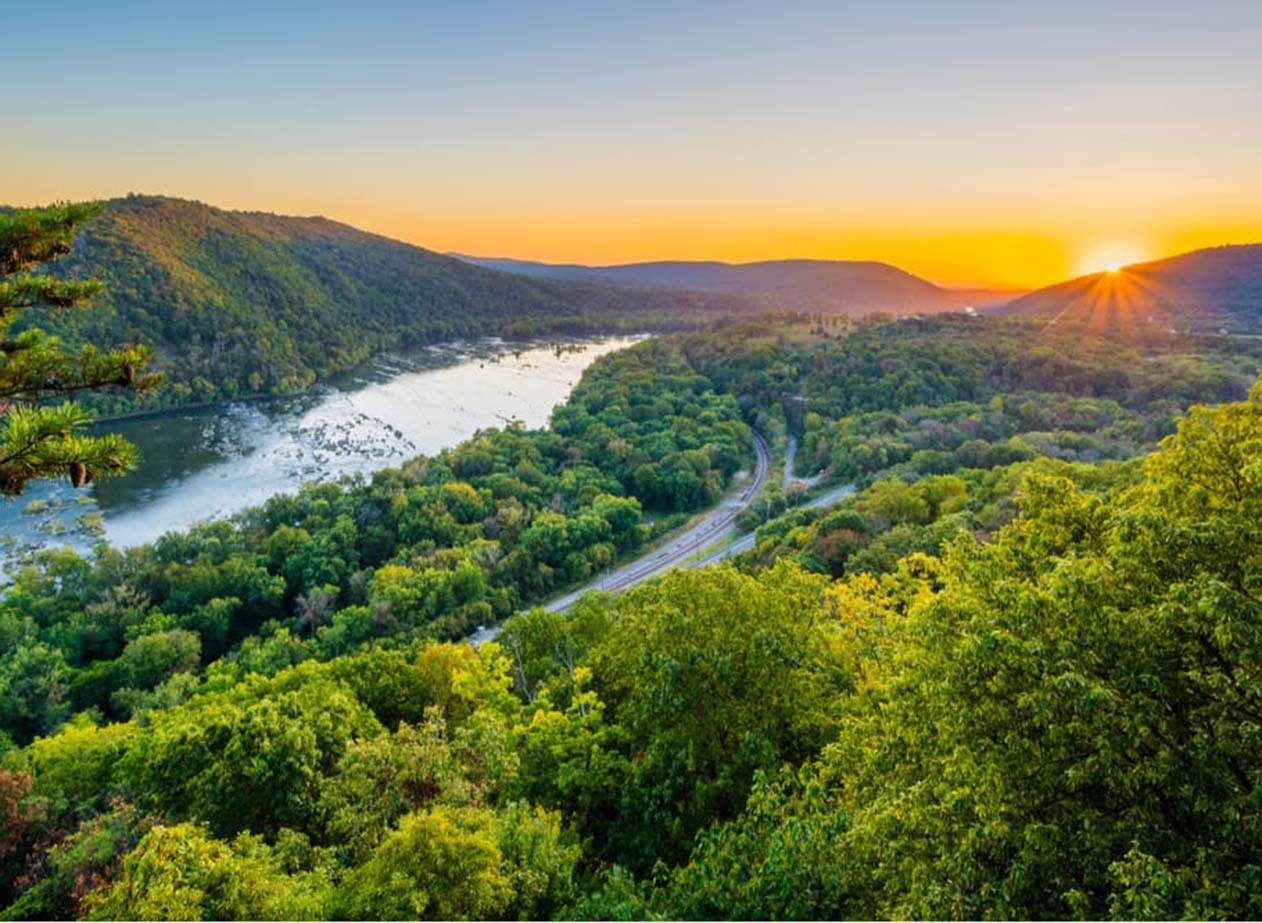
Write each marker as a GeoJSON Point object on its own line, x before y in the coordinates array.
{"type": "Point", "coordinates": [41, 291]}
{"type": "Point", "coordinates": [34, 368]}
{"type": "Point", "coordinates": [43, 442]}
{"type": "Point", "coordinates": [29, 237]}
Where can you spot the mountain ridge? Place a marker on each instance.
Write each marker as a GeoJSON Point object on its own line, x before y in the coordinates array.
{"type": "Point", "coordinates": [849, 286]}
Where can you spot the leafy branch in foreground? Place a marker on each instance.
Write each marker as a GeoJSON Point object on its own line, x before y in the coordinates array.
{"type": "Point", "coordinates": [39, 439]}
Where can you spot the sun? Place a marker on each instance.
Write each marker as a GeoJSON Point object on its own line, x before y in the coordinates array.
{"type": "Point", "coordinates": [1110, 257]}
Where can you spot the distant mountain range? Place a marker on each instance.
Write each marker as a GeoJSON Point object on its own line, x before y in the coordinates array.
{"type": "Point", "coordinates": [827, 286]}
{"type": "Point", "coordinates": [1215, 288]}
{"type": "Point", "coordinates": [238, 303]}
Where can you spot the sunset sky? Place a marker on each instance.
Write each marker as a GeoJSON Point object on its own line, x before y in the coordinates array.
{"type": "Point", "coordinates": [972, 143]}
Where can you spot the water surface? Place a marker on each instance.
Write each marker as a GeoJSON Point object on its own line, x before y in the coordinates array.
{"type": "Point", "coordinates": [215, 461]}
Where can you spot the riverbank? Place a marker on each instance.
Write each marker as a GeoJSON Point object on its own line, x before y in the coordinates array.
{"type": "Point", "coordinates": [215, 460]}
{"type": "Point", "coordinates": [473, 348]}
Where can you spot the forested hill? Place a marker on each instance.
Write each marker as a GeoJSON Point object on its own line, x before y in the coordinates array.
{"type": "Point", "coordinates": [829, 286]}
{"type": "Point", "coordinates": [237, 303]}
{"type": "Point", "coordinates": [1219, 287]}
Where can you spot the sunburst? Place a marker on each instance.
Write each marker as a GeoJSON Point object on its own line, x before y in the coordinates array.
{"type": "Point", "coordinates": [1111, 257]}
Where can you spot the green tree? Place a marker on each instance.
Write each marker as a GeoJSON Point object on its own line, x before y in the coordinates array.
{"type": "Point", "coordinates": [574, 759]}
{"type": "Point", "coordinates": [254, 758]}
{"type": "Point", "coordinates": [38, 439]}
{"type": "Point", "coordinates": [381, 779]}
{"type": "Point", "coordinates": [182, 873]}
{"type": "Point", "coordinates": [539, 861]}
{"type": "Point", "coordinates": [774, 862]}
{"type": "Point", "coordinates": [34, 690]}
{"type": "Point", "coordinates": [441, 864]}
{"type": "Point", "coordinates": [78, 766]}
{"type": "Point", "coordinates": [713, 675]}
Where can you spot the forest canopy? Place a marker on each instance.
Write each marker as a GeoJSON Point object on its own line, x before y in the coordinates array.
{"type": "Point", "coordinates": [1015, 674]}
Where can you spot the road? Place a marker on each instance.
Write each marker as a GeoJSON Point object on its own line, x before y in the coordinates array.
{"type": "Point", "coordinates": [681, 549]}
{"type": "Point", "coordinates": [715, 524]}
{"type": "Point", "coordinates": [791, 450]}
{"type": "Point", "coordinates": [746, 542]}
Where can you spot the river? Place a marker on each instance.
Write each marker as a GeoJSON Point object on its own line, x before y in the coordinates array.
{"type": "Point", "coordinates": [214, 461]}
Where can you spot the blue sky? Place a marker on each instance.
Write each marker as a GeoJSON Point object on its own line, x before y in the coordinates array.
{"type": "Point", "coordinates": [606, 132]}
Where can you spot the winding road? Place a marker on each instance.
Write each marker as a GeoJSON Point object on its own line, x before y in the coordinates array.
{"type": "Point", "coordinates": [683, 548]}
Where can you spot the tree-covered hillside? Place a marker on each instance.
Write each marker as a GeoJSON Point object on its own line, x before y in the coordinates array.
{"type": "Point", "coordinates": [943, 392]}
{"type": "Point", "coordinates": [237, 303]}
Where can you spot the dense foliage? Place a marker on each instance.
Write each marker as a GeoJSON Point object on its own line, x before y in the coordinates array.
{"type": "Point", "coordinates": [955, 394]}
{"type": "Point", "coordinates": [958, 391]}
{"type": "Point", "coordinates": [1059, 723]}
{"type": "Point", "coordinates": [237, 303]}
{"type": "Point", "coordinates": [433, 549]}
{"type": "Point", "coordinates": [1015, 685]}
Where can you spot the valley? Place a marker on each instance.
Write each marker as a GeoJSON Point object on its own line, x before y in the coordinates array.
{"type": "Point", "coordinates": [631, 462]}
{"type": "Point", "coordinates": [779, 514]}
{"type": "Point", "coordinates": [683, 547]}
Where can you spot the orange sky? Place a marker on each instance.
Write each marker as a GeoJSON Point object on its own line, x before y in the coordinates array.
{"type": "Point", "coordinates": [1028, 241]}
{"type": "Point", "coordinates": [1007, 257]}
{"type": "Point", "coordinates": [975, 143]}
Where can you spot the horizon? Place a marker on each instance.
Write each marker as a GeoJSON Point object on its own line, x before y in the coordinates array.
{"type": "Point", "coordinates": [727, 133]}
{"type": "Point", "coordinates": [1105, 269]}
{"type": "Point", "coordinates": [466, 257]}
